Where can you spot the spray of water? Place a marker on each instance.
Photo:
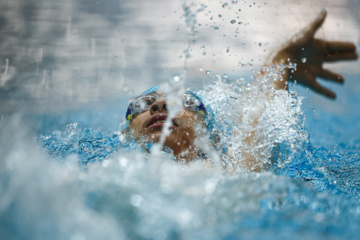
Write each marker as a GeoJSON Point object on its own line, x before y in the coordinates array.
{"type": "Point", "coordinates": [122, 192]}
{"type": "Point", "coordinates": [131, 195]}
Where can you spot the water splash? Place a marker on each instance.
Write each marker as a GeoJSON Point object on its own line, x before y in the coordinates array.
{"type": "Point", "coordinates": [252, 120]}
{"type": "Point", "coordinates": [190, 13]}
{"type": "Point", "coordinates": [132, 195]}
{"type": "Point", "coordinates": [308, 191]}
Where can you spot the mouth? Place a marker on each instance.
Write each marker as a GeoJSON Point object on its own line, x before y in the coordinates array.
{"type": "Point", "coordinates": [158, 121]}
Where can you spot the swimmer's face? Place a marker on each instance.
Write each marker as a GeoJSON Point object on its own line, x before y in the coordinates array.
{"type": "Point", "coordinates": [149, 124]}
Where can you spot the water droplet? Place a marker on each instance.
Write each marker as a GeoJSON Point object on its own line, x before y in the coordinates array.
{"type": "Point", "coordinates": [136, 200]}
{"type": "Point", "coordinates": [208, 72]}
{"type": "Point", "coordinates": [303, 60]}
{"type": "Point", "coordinates": [123, 162]}
{"type": "Point", "coordinates": [122, 138]}
{"type": "Point", "coordinates": [260, 44]}
{"type": "Point", "coordinates": [203, 50]}
{"type": "Point", "coordinates": [176, 78]}
{"type": "Point", "coordinates": [105, 163]}
{"type": "Point", "coordinates": [233, 21]}
{"type": "Point", "coordinates": [220, 15]}
{"type": "Point", "coordinates": [228, 49]}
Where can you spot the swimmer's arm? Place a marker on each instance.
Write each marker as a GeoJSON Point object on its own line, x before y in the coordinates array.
{"type": "Point", "coordinates": [309, 54]}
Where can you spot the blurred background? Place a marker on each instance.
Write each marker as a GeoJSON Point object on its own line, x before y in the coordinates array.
{"type": "Point", "coordinates": [80, 61]}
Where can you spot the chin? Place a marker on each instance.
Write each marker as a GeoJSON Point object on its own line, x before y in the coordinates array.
{"type": "Point", "coordinates": [169, 140]}
{"type": "Point", "coordinates": [177, 135]}
{"type": "Point", "coordinates": [155, 137]}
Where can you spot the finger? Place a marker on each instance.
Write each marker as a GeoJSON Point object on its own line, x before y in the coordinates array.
{"type": "Point", "coordinates": [331, 76]}
{"type": "Point", "coordinates": [337, 46]}
{"type": "Point", "coordinates": [332, 57]}
{"type": "Point", "coordinates": [309, 79]}
{"type": "Point", "coordinates": [323, 91]}
{"type": "Point", "coordinates": [316, 24]}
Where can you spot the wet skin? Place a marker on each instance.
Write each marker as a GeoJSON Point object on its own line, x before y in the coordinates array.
{"type": "Point", "coordinates": [149, 125]}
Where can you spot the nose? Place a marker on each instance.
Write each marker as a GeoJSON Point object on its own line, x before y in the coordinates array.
{"type": "Point", "coordinates": [158, 106]}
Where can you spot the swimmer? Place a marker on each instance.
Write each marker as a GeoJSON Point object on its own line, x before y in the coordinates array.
{"type": "Point", "coordinates": [147, 114]}
{"type": "Point", "coordinates": [146, 117]}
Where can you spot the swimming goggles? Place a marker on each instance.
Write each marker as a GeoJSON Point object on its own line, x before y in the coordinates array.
{"type": "Point", "coordinates": [143, 103]}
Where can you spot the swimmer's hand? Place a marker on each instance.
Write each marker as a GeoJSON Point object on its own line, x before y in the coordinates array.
{"type": "Point", "coordinates": [309, 54]}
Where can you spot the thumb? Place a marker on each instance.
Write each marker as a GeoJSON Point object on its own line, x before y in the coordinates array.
{"type": "Point", "coordinates": [316, 24]}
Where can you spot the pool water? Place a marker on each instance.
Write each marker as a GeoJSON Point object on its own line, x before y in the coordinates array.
{"type": "Point", "coordinates": [82, 183]}
{"type": "Point", "coordinates": [67, 173]}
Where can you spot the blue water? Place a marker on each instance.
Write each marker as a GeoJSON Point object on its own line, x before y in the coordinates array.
{"type": "Point", "coordinates": [66, 173]}
{"type": "Point", "coordinates": [138, 196]}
